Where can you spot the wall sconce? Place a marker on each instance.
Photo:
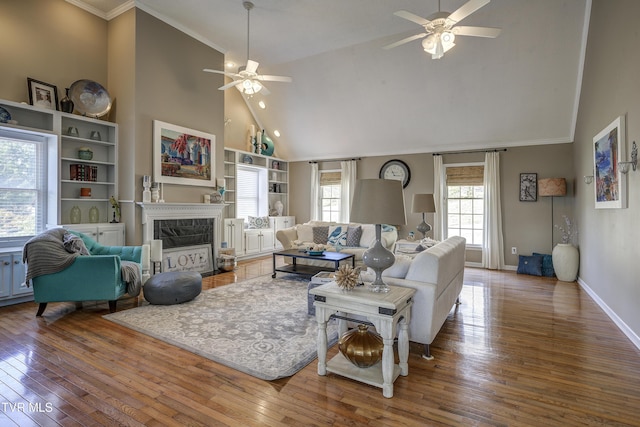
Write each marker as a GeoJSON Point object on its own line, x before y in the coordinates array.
{"type": "Point", "coordinates": [624, 166]}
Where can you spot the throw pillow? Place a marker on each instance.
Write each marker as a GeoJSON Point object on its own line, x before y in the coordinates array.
{"type": "Point", "coordinates": [368, 237]}
{"type": "Point", "coordinates": [337, 235]}
{"type": "Point", "coordinates": [74, 244]}
{"type": "Point", "coordinates": [399, 268]}
{"type": "Point", "coordinates": [531, 265]}
{"type": "Point", "coordinates": [258, 222]}
{"type": "Point", "coordinates": [305, 233]}
{"type": "Point", "coordinates": [547, 265]}
{"type": "Point", "coordinates": [353, 236]}
{"type": "Point", "coordinates": [320, 235]}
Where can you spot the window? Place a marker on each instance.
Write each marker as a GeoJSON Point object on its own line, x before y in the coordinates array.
{"type": "Point", "coordinates": [465, 203]}
{"type": "Point", "coordinates": [23, 186]}
{"type": "Point", "coordinates": [330, 193]}
{"type": "Point", "coordinates": [251, 196]}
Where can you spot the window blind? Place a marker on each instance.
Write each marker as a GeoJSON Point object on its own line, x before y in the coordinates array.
{"type": "Point", "coordinates": [248, 192]}
{"type": "Point", "coordinates": [330, 178]}
{"type": "Point", "coordinates": [465, 175]}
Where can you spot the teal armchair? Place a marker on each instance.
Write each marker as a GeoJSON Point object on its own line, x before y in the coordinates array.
{"type": "Point", "coordinates": [88, 278]}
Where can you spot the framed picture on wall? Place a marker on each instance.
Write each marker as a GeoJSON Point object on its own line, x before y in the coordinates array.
{"type": "Point", "coordinates": [182, 155]}
{"type": "Point", "coordinates": [42, 94]}
{"type": "Point", "coordinates": [528, 187]}
{"type": "Point", "coordinates": [609, 182]}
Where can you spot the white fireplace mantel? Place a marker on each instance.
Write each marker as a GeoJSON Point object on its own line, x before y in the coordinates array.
{"type": "Point", "coordinates": [161, 211]}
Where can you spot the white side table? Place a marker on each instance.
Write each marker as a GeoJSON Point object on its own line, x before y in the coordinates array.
{"type": "Point", "coordinates": [389, 312]}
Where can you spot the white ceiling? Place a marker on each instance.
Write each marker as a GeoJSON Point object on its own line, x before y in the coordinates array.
{"type": "Point", "coordinates": [349, 97]}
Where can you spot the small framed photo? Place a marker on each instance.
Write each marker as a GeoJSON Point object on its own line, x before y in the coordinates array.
{"type": "Point", "coordinates": [42, 94]}
{"type": "Point", "coordinates": [528, 187]}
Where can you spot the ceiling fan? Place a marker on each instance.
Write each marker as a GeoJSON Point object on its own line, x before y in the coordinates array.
{"type": "Point", "coordinates": [247, 80]}
{"type": "Point", "coordinates": [441, 29]}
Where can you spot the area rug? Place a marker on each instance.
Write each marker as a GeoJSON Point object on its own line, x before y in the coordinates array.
{"type": "Point", "coordinates": [259, 326]}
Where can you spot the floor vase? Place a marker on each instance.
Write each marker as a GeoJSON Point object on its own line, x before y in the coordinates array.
{"type": "Point", "coordinates": [566, 260]}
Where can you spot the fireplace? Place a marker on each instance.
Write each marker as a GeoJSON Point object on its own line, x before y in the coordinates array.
{"type": "Point", "coordinates": [190, 233]}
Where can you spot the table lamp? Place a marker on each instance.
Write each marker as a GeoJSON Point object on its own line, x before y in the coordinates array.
{"type": "Point", "coordinates": [552, 187]}
{"type": "Point", "coordinates": [423, 203]}
{"type": "Point", "coordinates": [378, 201]}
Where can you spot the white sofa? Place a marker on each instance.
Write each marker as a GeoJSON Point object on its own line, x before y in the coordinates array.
{"type": "Point", "coordinates": [437, 275]}
{"type": "Point", "coordinates": [301, 237]}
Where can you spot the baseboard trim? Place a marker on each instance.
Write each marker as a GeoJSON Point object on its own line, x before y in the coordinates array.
{"type": "Point", "coordinates": [612, 314]}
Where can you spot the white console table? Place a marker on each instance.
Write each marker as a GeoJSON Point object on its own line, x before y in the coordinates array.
{"type": "Point", "coordinates": [389, 312]}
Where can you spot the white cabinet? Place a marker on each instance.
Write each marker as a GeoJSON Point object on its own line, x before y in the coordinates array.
{"type": "Point", "coordinates": [12, 274]}
{"type": "Point", "coordinates": [258, 240]}
{"type": "Point", "coordinates": [105, 234]}
{"type": "Point", "coordinates": [233, 228]}
{"type": "Point", "coordinates": [278, 223]}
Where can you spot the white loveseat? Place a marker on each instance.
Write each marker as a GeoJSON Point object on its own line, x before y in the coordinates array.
{"type": "Point", "coordinates": [437, 275]}
{"type": "Point", "coordinates": [301, 236]}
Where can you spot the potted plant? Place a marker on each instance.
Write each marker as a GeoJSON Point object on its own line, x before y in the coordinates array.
{"type": "Point", "coordinates": [566, 258]}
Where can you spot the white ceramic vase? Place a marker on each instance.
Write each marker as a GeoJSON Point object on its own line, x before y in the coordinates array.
{"type": "Point", "coordinates": [566, 260]}
{"type": "Point", "coordinates": [279, 207]}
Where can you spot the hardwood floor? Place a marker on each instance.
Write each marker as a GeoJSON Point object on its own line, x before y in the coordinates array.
{"type": "Point", "coordinates": [520, 350]}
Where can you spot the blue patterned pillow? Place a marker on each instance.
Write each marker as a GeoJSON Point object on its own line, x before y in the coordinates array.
{"type": "Point", "coordinates": [547, 265]}
{"type": "Point", "coordinates": [337, 236]}
{"type": "Point", "coordinates": [531, 265]}
{"type": "Point", "coordinates": [258, 222]}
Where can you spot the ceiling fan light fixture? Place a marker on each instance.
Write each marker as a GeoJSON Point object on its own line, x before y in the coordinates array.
{"type": "Point", "coordinates": [429, 44]}
{"type": "Point", "coordinates": [447, 37]}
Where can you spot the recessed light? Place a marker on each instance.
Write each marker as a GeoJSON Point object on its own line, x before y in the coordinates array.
{"type": "Point", "coordinates": [262, 105]}
{"type": "Point", "coordinates": [230, 64]}
{"type": "Point", "coordinates": [276, 133]}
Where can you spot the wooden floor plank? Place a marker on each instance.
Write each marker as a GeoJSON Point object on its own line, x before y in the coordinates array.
{"type": "Point", "coordinates": [519, 351]}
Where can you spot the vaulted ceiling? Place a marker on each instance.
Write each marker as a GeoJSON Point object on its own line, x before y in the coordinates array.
{"type": "Point", "coordinates": [349, 97]}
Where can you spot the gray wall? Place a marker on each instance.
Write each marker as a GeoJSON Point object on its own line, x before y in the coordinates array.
{"type": "Point", "coordinates": [526, 225]}
{"type": "Point", "coordinates": [51, 41]}
{"type": "Point", "coordinates": [609, 237]}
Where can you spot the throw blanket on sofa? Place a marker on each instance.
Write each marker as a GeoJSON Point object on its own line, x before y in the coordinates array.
{"type": "Point", "coordinates": [131, 275]}
{"type": "Point", "coordinates": [46, 253]}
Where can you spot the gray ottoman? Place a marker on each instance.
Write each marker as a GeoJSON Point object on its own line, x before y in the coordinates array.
{"type": "Point", "coordinates": [173, 287]}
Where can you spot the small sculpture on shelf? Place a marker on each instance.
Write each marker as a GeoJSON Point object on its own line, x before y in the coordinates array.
{"type": "Point", "coordinates": [116, 210]}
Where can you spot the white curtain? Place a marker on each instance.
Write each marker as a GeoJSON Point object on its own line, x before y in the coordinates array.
{"type": "Point", "coordinates": [347, 185]}
{"type": "Point", "coordinates": [439, 197]}
{"type": "Point", "coordinates": [493, 245]}
{"type": "Point", "coordinates": [314, 211]}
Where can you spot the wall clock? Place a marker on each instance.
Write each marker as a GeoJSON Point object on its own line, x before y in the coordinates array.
{"type": "Point", "coordinates": [396, 169]}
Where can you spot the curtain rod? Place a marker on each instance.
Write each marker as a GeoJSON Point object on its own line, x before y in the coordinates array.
{"type": "Point", "coordinates": [334, 160]}
{"type": "Point", "coordinates": [470, 152]}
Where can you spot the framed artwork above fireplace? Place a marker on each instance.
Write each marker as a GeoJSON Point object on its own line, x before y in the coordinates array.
{"type": "Point", "coordinates": [182, 155]}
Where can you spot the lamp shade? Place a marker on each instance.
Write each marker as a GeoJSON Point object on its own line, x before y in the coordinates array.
{"type": "Point", "coordinates": [378, 201]}
{"type": "Point", "coordinates": [423, 203]}
{"type": "Point", "coordinates": [552, 187]}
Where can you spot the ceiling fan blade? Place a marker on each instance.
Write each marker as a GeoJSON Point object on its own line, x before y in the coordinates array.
{"type": "Point", "coordinates": [267, 78]}
{"type": "Point", "coordinates": [466, 9]}
{"type": "Point", "coordinates": [252, 66]}
{"type": "Point", "coordinates": [476, 31]}
{"type": "Point", "coordinates": [230, 85]}
{"type": "Point", "coordinates": [403, 41]}
{"type": "Point", "coordinates": [412, 17]}
{"type": "Point", "coordinates": [208, 70]}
